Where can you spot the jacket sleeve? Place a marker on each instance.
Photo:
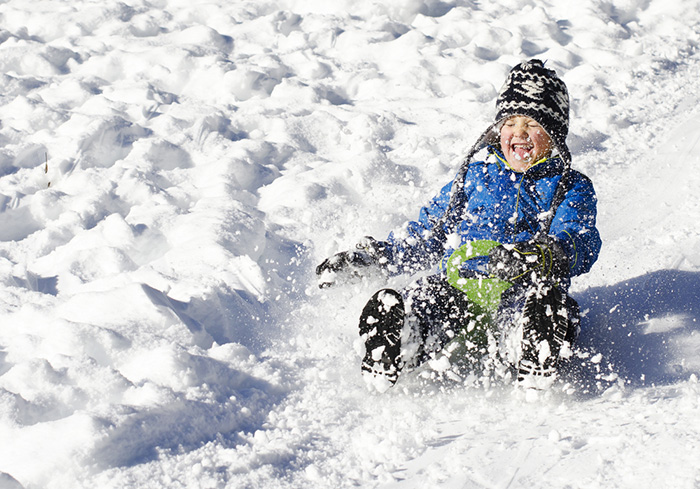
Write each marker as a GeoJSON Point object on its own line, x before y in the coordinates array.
{"type": "Point", "coordinates": [574, 225]}
{"type": "Point", "coordinates": [420, 245]}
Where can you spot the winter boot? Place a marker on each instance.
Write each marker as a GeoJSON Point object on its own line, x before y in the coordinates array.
{"type": "Point", "coordinates": [381, 323]}
{"type": "Point", "coordinates": [546, 326]}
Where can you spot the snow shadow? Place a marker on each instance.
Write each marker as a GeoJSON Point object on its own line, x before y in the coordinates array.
{"type": "Point", "coordinates": [37, 283]}
{"type": "Point", "coordinates": [252, 318]}
{"type": "Point", "coordinates": [226, 316]}
{"type": "Point", "coordinates": [241, 404]}
{"type": "Point", "coordinates": [646, 328]}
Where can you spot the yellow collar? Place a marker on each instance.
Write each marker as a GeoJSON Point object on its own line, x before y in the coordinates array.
{"type": "Point", "coordinates": [505, 162]}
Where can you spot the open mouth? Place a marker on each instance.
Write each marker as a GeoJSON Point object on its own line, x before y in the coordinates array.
{"type": "Point", "coordinates": [522, 151]}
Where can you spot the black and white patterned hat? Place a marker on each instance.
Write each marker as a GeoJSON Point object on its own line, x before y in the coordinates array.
{"type": "Point", "coordinates": [536, 92]}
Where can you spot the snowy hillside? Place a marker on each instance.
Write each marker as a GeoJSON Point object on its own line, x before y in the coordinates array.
{"type": "Point", "coordinates": [171, 171]}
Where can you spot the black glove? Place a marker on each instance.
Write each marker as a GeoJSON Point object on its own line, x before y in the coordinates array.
{"type": "Point", "coordinates": [529, 261]}
{"type": "Point", "coordinates": [349, 265]}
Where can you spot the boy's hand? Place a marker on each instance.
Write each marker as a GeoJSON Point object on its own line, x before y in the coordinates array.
{"type": "Point", "coordinates": [351, 265]}
{"type": "Point", "coordinates": [529, 261]}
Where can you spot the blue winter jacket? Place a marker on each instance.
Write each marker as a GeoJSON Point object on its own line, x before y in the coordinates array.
{"type": "Point", "coordinates": [502, 205]}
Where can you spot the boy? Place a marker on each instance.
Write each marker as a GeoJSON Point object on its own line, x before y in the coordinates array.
{"type": "Point", "coordinates": [507, 234]}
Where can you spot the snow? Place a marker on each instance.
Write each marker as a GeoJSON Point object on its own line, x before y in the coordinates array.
{"type": "Point", "coordinates": [171, 172]}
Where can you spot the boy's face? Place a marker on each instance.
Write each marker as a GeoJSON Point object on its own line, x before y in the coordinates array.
{"type": "Point", "coordinates": [524, 142]}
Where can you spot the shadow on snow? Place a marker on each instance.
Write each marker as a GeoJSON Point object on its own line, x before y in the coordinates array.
{"type": "Point", "coordinates": [645, 328]}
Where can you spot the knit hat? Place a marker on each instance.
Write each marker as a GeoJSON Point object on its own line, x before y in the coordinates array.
{"type": "Point", "coordinates": [537, 92]}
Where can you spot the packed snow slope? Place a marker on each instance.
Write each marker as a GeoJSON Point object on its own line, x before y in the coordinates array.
{"type": "Point", "coordinates": [171, 171]}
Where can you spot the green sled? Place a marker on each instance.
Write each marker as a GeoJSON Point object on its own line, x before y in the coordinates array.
{"type": "Point", "coordinates": [484, 294]}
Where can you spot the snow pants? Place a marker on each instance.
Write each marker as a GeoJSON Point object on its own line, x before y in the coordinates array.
{"type": "Point", "coordinates": [436, 313]}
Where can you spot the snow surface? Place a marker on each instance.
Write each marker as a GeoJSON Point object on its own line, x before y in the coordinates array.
{"type": "Point", "coordinates": [171, 171]}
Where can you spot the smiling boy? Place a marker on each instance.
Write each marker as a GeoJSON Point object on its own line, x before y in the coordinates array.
{"type": "Point", "coordinates": [524, 142]}
{"type": "Point", "coordinates": [503, 240]}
